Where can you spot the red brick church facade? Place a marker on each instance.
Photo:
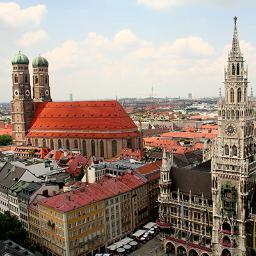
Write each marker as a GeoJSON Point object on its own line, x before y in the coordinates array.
{"type": "Point", "coordinates": [99, 128]}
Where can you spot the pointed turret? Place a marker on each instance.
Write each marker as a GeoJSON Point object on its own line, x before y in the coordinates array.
{"type": "Point", "coordinates": [235, 51]}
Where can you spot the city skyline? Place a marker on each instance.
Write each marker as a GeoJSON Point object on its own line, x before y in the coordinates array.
{"type": "Point", "coordinates": [104, 49]}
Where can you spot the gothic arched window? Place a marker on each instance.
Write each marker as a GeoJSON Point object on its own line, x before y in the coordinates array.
{"type": "Point", "coordinates": [36, 142]}
{"type": "Point", "coordinates": [223, 114]}
{"type": "Point", "coordinates": [233, 69]}
{"type": "Point", "coordinates": [101, 148]}
{"type": "Point", "coordinates": [114, 147]}
{"type": "Point", "coordinates": [46, 80]}
{"type": "Point", "coordinates": [26, 78]}
{"type": "Point", "coordinates": [36, 80]}
{"type": "Point", "coordinates": [44, 143]}
{"type": "Point", "coordinates": [129, 143]}
{"type": "Point", "coordinates": [237, 69]}
{"type": "Point", "coordinates": [75, 144]}
{"type": "Point", "coordinates": [93, 147]}
{"type": "Point", "coordinates": [228, 114]}
{"type": "Point", "coordinates": [59, 143]}
{"type": "Point", "coordinates": [67, 144]}
{"type": "Point", "coordinates": [84, 148]}
{"type": "Point", "coordinates": [237, 114]}
{"type": "Point", "coordinates": [15, 78]}
{"type": "Point", "coordinates": [232, 95]}
{"type": "Point", "coordinates": [239, 95]}
{"type": "Point", "coordinates": [51, 144]}
{"type": "Point", "coordinates": [232, 114]}
{"type": "Point", "coordinates": [226, 150]}
{"type": "Point", "coordinates": [234, 150]}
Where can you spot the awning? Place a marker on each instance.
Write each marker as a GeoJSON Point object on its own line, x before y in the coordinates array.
{"type": "Point", "coordinates": [139, 233]}
{"type": "Point", "coordinates": [133, 243]}
{"type": "Point", "coordinates": [119, 244]}
{"type": "Point", "coordinates": [120, 250]}
{"type": "Point", "coordinates": [149, 225]}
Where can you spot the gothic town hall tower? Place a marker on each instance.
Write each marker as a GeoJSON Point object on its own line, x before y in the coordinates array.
{"type": "Point", "coordinates": [233, 162]}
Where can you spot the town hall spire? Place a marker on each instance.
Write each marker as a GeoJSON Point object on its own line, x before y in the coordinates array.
{"type": "Point", "coordinates": [235, 51]}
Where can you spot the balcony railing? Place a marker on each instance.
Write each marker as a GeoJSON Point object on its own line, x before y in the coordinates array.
{"type": "Point", "coordinates": [229, 232]}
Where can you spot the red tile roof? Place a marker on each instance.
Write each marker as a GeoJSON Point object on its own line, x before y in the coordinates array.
{"type": "Point", "coordinates": [89, 193]}
{"type": "Point", "coordinates": [189, 135]}
{"type": "Point", "coordinates": [87, 134]}
{"type": "Point", "coordinates": [81, 119]}
{"type": "Point", "coordinates": [149, 168]}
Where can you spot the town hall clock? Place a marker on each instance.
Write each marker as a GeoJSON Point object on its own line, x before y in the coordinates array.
{"type": "Point", "coordinates": [230, 129]}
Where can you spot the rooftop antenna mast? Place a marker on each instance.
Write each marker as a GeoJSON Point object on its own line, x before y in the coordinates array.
{"type": "Point", "coordinates": [152, 91]}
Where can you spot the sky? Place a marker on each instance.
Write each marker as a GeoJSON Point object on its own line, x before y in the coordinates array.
{"type": "Point", "coordinates": [103, 49]}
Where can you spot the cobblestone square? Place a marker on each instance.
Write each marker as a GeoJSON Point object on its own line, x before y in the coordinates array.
{"type": "Point", "coordinates": [151, 248]}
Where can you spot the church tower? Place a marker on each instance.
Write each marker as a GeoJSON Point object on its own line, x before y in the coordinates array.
{"type": "Point", "coordinates": [41, 88]}
{"type": "Point", "coordinates": [233, 161]}
{"type": "Point", "coordinates": [22, 103]}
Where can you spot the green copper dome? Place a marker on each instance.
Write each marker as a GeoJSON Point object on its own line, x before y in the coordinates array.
{"type": "Point", "coordinates": [39, 62]}
{"type": "Point", "coordinates": [20, 58]}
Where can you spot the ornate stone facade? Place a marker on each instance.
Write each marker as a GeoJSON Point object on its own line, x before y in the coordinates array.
{"type": "Point", "coordinates": [233, 162]}
{"type": "Point", "coordinates": [220, 221]}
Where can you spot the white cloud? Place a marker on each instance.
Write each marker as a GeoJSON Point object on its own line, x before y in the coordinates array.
{"type": "Point", "coordinates": [31, 38]}
{"type": "Point", "coordinates": [126, 64]}
{"type": "Point", "coordinates": [124, 37]}
{"type": "Point", "coordinates": [12, 15]}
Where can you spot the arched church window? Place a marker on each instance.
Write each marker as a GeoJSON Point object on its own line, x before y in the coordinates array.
{"type": "Point", "coordinates": [234, 150]}
{"type": "Point", "coordinates": [114, 147]}
{"type": "Point", "coordinates": [101, 148]}
{"type": "Point", "coordinates": [226, 150]}
{"type": "Point", "coordinates": [84, 148]}
{"type": "Point", "coordinates": [228, 114]}
{"type": "Point", "coordinates": [59, 144]}
{"type": "Point", "coordinates": [15, 78]}
{"type": "Point", "coordinates": [46, 80]}
{"type": "Point", "coordinates": [129, 143]}
{"type": "Point", "coordinates": [239, 95]}
{"type": "Point", "coordinates": [237, 114]}
{"type": "Point", "coordinates": [232, 95]}
{"type": "Point", "coordinates": [237, 69]}
{"type": "Point", "coordinates": [26, 78]}
{"type": "Point", "coordinates": [75, 144]}
{"type": "Point", "coordinates": [93, 147]}
{"type": "Point", "coordinates": [36, 80]}
{"type": "Point", "coordinates": [232, 114]}
{"type": "Point", "coordinates": [51, 144]}
{"type": "Point", "coordinates": [44, 143]}
{"type": "Point", "coordinates": [223, 114]}
{"type": "Point", "coordinates": [36, 142]}
{"type": "Point", "coordinates": [233, 69]}
{"type": "Point", "coordinates": [67, 144]}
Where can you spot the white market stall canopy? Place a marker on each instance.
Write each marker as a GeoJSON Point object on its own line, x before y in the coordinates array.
{"type": "Point", "coordinates": [139, 233]}
{"type": "Point", "coordinates": [149, 225]}
{"type": "Point", "coordinates": [119, 244]}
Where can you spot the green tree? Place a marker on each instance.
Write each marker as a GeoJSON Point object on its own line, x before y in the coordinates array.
{"type": "Point", "coordinates": [11, 228]}
{"type": "Point", "coordinates": [5, 140]}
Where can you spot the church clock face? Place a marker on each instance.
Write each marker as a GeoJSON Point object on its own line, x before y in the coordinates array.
{"type": "Point", "coordinates": [230, 129]}
{"type": "Point", "coordinates": [16, 93]}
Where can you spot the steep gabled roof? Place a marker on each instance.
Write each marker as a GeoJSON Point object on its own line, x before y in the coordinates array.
{"type": "Point", "coordinates": [79, 116]}
{"type": "Point", "coordinates": [9, 175]}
